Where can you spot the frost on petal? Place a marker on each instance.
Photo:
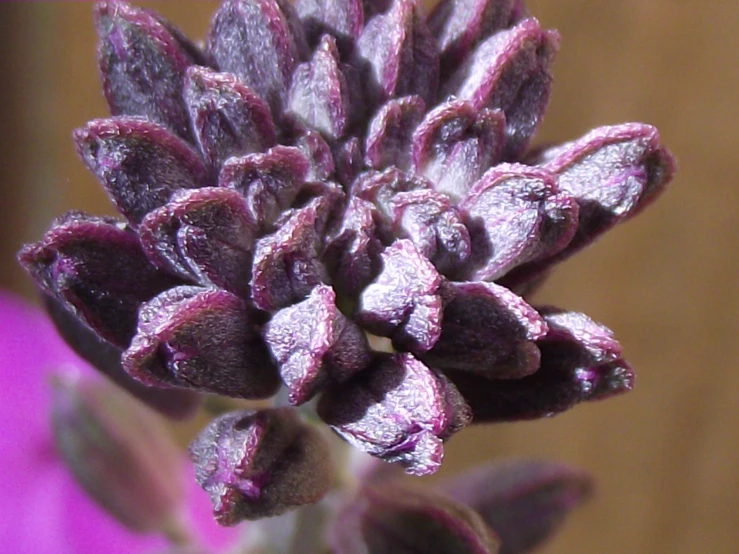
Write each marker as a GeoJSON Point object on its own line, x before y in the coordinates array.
{"type": "Point", "coordinates": [429, 220]}
{"type": "Point", "coordinates": [488, 330]}
{"type": "Point", "coordinates": [613, 173]}
{"type": "Point", "coordinates": [398, 55]}
{"type": "Point", "coordinates": [204, 236]}
{"type": "Point", "coordinates": [106, 358]}
{"type": "Point", "coordinates": [404, 302]}
{"type": "Point", "coordinates": [139, 163]}
{"type": "Point", "coordinates": [580, 361]}
{"type": "Point", "coordinates": [459, 26]}
{"type": "Point", "coordinates": [229, 119]}
{"type": "Point", "coordinates": [287, 263]}
{"type": "Point", "coordinates": [455, 144]}
{"type": "Point", "coordinates": [389, 136]}
{"type": "Point", "coordinates": [313, 342]}
{"type": "Point", "coordinates": [320, 94]}
{"type": "Point", "coordinates": [260, 464]}
{"type": "Point", "coordinates": [402, 519]}
{"type": "Point", "coordinates": [203, 339]}
{"type": "Point", "coordinates": [397, 410]}
{"type": "Point", "coordinates": [269, 181]}
{"type": "Point", "coordinates": [142, 65]}
{"type": "Point", "coordinates": [509, 215]}
{"type": "Point", "coordinates": [510, 71]}
{"type": "Point", "coordinates": [353, 250]}
{"type": "Point", "coordinates": [344, 19]}
{"type": "Point", "coordinates": [259, 42]}
{"type": "Point", "coordinates": [523, 501]}
{"type": "Point", "coordinates": [80, 261]}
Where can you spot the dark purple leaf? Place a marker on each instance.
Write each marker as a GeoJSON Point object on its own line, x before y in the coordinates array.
{"type": "Point", "coordinates": [319, 95]}
{"type": "Point", "coordinates": [203, 339]}
{"type": "Point", "coordinates": [404, 302]}
{"type": "Point", "coordinates": [398, 55]}
{"type": "Point", "coordinates": [287, 263]}
{"type": "Point", "coordinates": [204, 236]}
{"type": "Point", "coordinates": [455, 144]}
{"type": "Point", "coordinates": [313, 342]}
{"type": "Point", "coordinates": [79, 263]}
{"type": "Point", "coordinates": [270, 182]}
{"type": "Point", "coordinates": [142, 65]}
{"type": "Point", "coordinates": [256, 41]}
{"type": "Point", "coordinates": [229, 119]}
{"type": "Point", "coordinates": [510, 71]}
{"type": "Point", "coordinates": [489, 330]}
{"type": "Point", "coordinates": [409, 520]}
{"type": "Point", "coordinates": [139, 163]}
{"type": "Point", "coordinates": [343, 19]}
{"type": "Point", "coordinates": [523, 501]}
{"type": "Point", "coordinates": [260, 464]}
{"type": "Point", "coordinates": [389, 136]}
{"type": "Point", "coordinates": [397, 410]}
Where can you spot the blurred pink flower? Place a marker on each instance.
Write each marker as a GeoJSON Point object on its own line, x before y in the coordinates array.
{"type": "Point", "coordinates": [42, 509]}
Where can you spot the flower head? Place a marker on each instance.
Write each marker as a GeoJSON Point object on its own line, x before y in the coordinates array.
{"type": "Point", "coordinates": [324, 172]}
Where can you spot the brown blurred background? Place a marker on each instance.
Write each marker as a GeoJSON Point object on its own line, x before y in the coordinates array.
{"type": "Point", "coordinates": [665, 456]}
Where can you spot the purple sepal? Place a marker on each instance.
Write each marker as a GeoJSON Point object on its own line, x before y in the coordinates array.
{"type": "Point", "coordinates": [460, 25]}
{"type": "Point", "coordinates": [318, 153]}
{"type": "Point", "coordinates": [349, 160]}
{"type": "Point", "coordinates": [488, 330]}
{"type": "Point", "coordinates": [139, 163]}
{"type": "Point", "coordinates": [80, 261]}
{"type": "Point", "coordinates": [408, 520]}
{"type": "Point", "coordinates": [523, 501]}
{"type": "Point", "coordinates": [389, 134]}
{"type": "Point", "coordinates": [287, 263]}
{"type": "Point", "coordinates": [229, 119]}
{"type": "Point", "coordinates": [455, 144]}
{"type": "Point", "coordinates": [404, 302]}
{"type": "Point", "coordinates": [259, 42]}
{"type": "Point", "coordinates": [398, 55]}
{"type": "Point", "coordinates": [580, 361]}
{"type": "Point", "coordinates": [397, 410]}
{"type": "Point", "coordinates": [352, 253]}
{"type": "Point", "coordinates": [260, 464]}
{"type": "Point", "coordinates": [320, 94]}
{"type": "Point", "coordinates": [344, 19]}
{"type": "Point", "coordinates": [512, 213]}
{"type": "Point", "coordinates": [203, 339]}
{"type": "Point", "coordinates": [203, 236]}
{"type": "Point", "coordinates": [510, 71]}
{"type": "Point", "coordinates": [313, 342]}
{"type": "Point", "coordinates": [106, 358]}
{"type": "Point", "coordinates": [430, 221]}
{"type": "Point", "coordinates": [269, 181]}
{"type": "Point", "coordinates": [142, 65]}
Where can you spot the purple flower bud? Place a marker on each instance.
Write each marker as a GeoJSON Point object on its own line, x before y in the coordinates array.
{"type": "Point", "coordinates": [202, 339]}
{"type": "Point", "coordinates": [398, 53]}
{"type": "Point", "coordinates": [404, 302]}
{"type": "Point", "coordinates": [397, 410]}
{"type": "Point", "coordinates": [142, 65]}
{"type": "Point", "coordinates": [523, 501]}
{"type": "Point", "coordinates": [510, 71]}
{"type": "Point", "coordinates": [344, 19]}
{"type": "Point", "coordinates": [389, 135]}
{"type": "Point", "coordinates": [319, 155]}
{"type": "Point", "coordinates": [79, 263]}
{"type": "Point", "coordinates": [120, 452]}
{"type": "Point", "coordinates": [269, 181]}
{"type": "Point", "coordinates": [204, 236]}
{"type": "Point", "coordinates": [488, 330]}
{"type": "Point", "coordinates": [139, 163]}
{"type": "Point", "coordinates": [455, 144]}
{"type": "Point", "coordinates": [260, 464]}
{"type": "Point", "coordinates": [405, 520]}
{"type": "Point", "coordinates": [256, 41]}
{"type": "Point", "coordinates": [313, 342]}
{"type": "Point", "coordinates": [229, 119]}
